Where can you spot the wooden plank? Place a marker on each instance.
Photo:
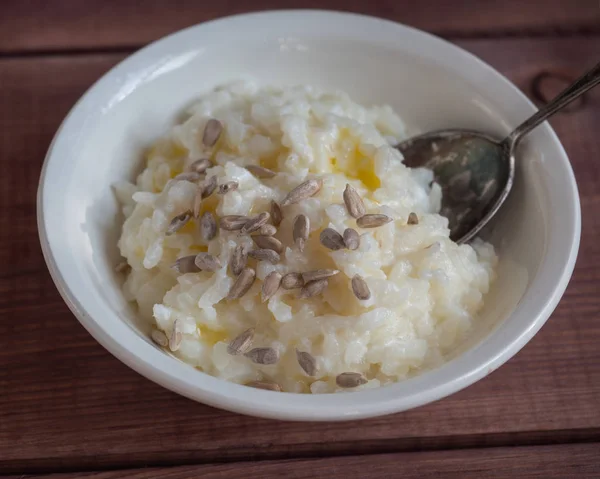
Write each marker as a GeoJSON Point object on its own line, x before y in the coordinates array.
{"type": "Point", "coordinates": [36, 25]}
{"type": "Point", "coordinates": [543, 462]}
{"type": "Point", "coordinates": [67, 403]}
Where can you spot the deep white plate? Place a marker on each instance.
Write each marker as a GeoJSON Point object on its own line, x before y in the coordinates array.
{"type": "Point", "coordinates": [429, 82]}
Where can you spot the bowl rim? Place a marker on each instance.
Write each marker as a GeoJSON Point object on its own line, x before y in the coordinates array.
{"type": "Point", "coordinates": [424, 388]}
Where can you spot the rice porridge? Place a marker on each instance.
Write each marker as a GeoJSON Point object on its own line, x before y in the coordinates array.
{"type": "Point", "coordinates": [275, 239]}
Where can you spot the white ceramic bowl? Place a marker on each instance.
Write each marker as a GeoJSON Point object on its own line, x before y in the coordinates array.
{"type": "Point", "coordinates": [430, 83]}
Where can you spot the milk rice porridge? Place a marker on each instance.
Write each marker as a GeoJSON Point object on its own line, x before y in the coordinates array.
{"type": "Point", "coordinates": [275, 239]}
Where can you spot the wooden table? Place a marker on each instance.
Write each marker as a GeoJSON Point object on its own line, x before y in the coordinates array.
{"type": "Point", "coordinates": [69, 409]}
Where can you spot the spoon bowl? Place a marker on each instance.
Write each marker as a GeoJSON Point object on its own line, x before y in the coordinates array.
{"type": "Point", "coordinates": [476, 171]}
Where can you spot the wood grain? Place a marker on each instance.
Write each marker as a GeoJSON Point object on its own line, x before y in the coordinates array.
{"type": "Point", "coordinates": [40, 25]}
{"type": "Point", "coordinates": [578, 461]}
{"type": "Point", "coordinates": [67, 404]}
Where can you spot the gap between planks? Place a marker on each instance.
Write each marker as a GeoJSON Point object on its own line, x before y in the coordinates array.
{"type": "Point", "coordinates": [549, 462]}
{"type": "Point", "coordinates": [436, 444]}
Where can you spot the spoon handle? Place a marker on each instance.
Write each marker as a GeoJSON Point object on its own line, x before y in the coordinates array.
{"type": "Point", "coordinates": [577, 88]}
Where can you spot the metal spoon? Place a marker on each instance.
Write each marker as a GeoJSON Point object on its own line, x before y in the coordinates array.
{"type": "Point", "coordinates": [475, 170]}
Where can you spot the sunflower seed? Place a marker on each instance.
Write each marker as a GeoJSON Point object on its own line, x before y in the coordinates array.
{"type": "Point", "coordinates": [303, 191]}
{"type": "Point", "coordinates": [331, 239]}
{"type": "Point", "coordinates": [300, 231]}
{"type": "Point", "coordinates": [263, 355]}
{"type": "Point", "coordinates": [372, 221]}
{"type": "Point", "coordinates": [270, 285]}
{"type": "Point", "coordinates": [122, 267]}
{"type": "Point", "coordinates": [207, 262]}
{"type": "Point", "coordinates": [265, 255]}
{"type": "Point", "coordinates": [227, 187]}
{"type": "Point", "coordinates": [276, 214]}
{"type": "Point", "coordinates": [186, 264]}
{"type": "Point", "coordinates": [208, 226]}
{"type": "Point", "coordinates": [260, 172]}
{"type": "Point", "coordinates": [354, 203]}
{"type": "Point", "coordinates": [307, 362]}
{"type": "Point", "coordinates": [238, 260]}
{"type": "Point", "coordinates": [292, 281]}
{"type": "Point", "coordinates": [313, 289]}
{"type": "Point", "coordinates": [268, 242]}
{"type": "Point", "coordinates": [267, 230]}
{"type": "Point", "coordinates": [209, 186]}
{"type": "Point", "coordinates": [351, 238]}
{"type": "Point", "coordinates": [241, 343]}
{"type": "Point", "coordinates": [413, 219]}
{"type": "Point", "coordinates": [255, 223]}
{"type": "Point", "coordinates": [159, 338]}
{"type": "Point", "coordinates": [233, 222]}
{"type": "Point", "coordinates": [212, 132]}
{"type": "Point", "coordinates": [267, 385]}
{"type": "Point", "coordinates": [350, 380]}
{"type": "Point", "coordinates": [201, 165]}
{"type": "Point", "coordinates": [176, 337]}
{"type": "Point", "coordinates": [242, 284]}
{"type": "Point", "coordinates": [360, 288]}
{"type": "Point", "coordinates": [198, 201]}
{"type": "Point", "coordinates": [318, 274]}
{"type": "Point", "coordinates": [190, 176]}
{"type": "Point", "coordinates": [178, 222]}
